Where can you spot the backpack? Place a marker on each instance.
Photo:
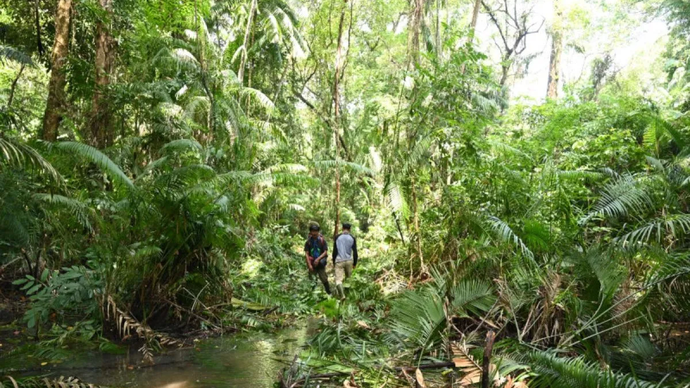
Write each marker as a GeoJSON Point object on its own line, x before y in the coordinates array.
{"type": "Point", "coordinates": [316, 248]}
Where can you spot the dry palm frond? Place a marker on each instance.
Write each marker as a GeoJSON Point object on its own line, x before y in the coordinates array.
{"type": "Point", "coordinates": [512, 383]}
{"type": "Point", "coordinates": [61, 382]}
{"type": "Point", "coordinates": [69, 382]}
{"type": "Point", "coordinates": [126, 323]}
{"type": "Point", "coordinates": [465, 362]}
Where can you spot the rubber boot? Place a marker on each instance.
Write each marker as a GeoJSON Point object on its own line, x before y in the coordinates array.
{"type": "Point", "coordinates": [341, 291]}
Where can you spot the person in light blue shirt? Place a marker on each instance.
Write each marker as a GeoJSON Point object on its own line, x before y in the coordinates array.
{"type": "Point", "coordinates": [344, 258]}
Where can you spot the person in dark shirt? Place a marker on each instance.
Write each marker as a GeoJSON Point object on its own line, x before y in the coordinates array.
{"type": "Point", "coordinates": [344, 258]}
{"type": "Point", "coordinates": [316, 253]}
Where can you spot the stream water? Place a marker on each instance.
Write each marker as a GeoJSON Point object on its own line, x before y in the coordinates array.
{"type": "Point", "coordinates": [241, 360]}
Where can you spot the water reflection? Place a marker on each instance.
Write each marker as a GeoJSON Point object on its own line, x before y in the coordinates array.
{"type": "Point", "coordinates": [235, 361]}
{"type": "Point", "coordinates": [183, 384]}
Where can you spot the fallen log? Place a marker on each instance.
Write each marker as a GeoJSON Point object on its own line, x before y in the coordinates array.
{"type": "Point", "coordinates": [326, 376]}
{"type": "Point", "coordinates": [435, 365]}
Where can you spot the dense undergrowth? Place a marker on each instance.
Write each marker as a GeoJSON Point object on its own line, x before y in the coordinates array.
{"type": "Point", "coordinates": [178, 209]}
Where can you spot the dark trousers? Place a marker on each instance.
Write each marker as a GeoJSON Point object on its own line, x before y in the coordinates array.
{"type": "Point", "coordinates": [321, 273]}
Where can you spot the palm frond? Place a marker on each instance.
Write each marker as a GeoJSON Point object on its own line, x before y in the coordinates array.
{"type": "Point", "coordinates": [466, 363]}
{"type": "Point", "coordinates": [418, 317]}
{"type": "Point", "coordinates": [472, 296]}
{"type": "Point", "coordinates": [675, 225]}
{"type": "Point", "coordinates": [506, 234]}
{"type": "Point", "coordinates": [184, 57]}
{"type": "Point", "coordinates": [396, 201]}
{"type": "Point", "coordinates": [96, 157]}
{"type": "Point", "coordinates": [8, 53]}
{"type": "Point", "coordinates": [183, 144]}
{"type": "Point", "coordinates": [608, 271]}
{"type": "Point", "coordinates": [17, 154]}
{"type": "Point", "coordinates": [76, 207]}
{"type": "Point", "coordinates": [506, 148]}
{"type": "Point", "coordinates": [259, 97]}
{"type": "Point", "coordinates": [357, 168]}
{"type": "Point", "coordinates": [243, 177]}
{"type": "Point", "coordinates": [620, 198]}
{"type": "Point", "coordinates": [580, 174]}
{"type": "Point", "coordinates": [552, 371]}
{"type": "Point", "coordinates": [287, 167]}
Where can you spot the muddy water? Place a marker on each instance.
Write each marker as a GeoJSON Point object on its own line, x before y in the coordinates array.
{"type": "Point", "coordinates": [242, 360]}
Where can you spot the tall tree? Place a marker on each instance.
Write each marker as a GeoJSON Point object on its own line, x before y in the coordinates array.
{"type": "Point", "coordinates": [339, 62]}
{"type": "Point", "coordinates": [416, 20]}
{"type": "Point", "coordinates": [56, 86]}
{"type": "Point", "coordinates": [245, 44]}
{"type": "Point", "coordinates": [101, 135]}
{"type": "Point", "coordinates": [514, 24]}
{"type": "Point", "coordinates": [556, 50]}
{"type": "Point", "coordinates": [475, 16]}
{"type": "Point", "coordinates": [39, 42]}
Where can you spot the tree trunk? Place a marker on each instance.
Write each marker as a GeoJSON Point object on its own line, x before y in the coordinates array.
{"type": "Point", "coordinates": [554, 66]}
{"type": "Point", "coordinates": [504, 74]}
{"type": "Point", "coordinates": [556, 50]}
{"type": "Point", "coordinates": [56, 85]}
{"type": "Point", "coordinates": [416, 18]}
{"type": "Point", "coordinates": [415, 224]}
{"type": "Point", "coordinates": [438, 29]}
{"type": "Point", "coordinates": [475, 16]}
{"type": "Point", "coordinates": [247, 32]}
{"type": "Point", "coordinates": [339, 61]}
{"type": "Point", "coordinates": [101, 136]}
{"type": "Point", "coordinates": [39, 41]}
{"type": "Point", "coordinates": [13, 87]}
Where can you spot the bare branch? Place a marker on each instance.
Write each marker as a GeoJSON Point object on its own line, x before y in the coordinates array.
{"type": "Point", "coordinates": [492, 16]}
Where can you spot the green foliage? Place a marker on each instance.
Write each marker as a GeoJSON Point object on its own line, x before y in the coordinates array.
{"type": "Point", "coordinates": [558, 225]}
{"type": "Point", "coordinates": [74, 290]}
{"type": "Point", "coordinates": [552, 371]}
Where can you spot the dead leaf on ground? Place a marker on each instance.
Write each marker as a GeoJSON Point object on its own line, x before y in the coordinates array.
{"type": "Point", "coordinates": [363, 325]}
